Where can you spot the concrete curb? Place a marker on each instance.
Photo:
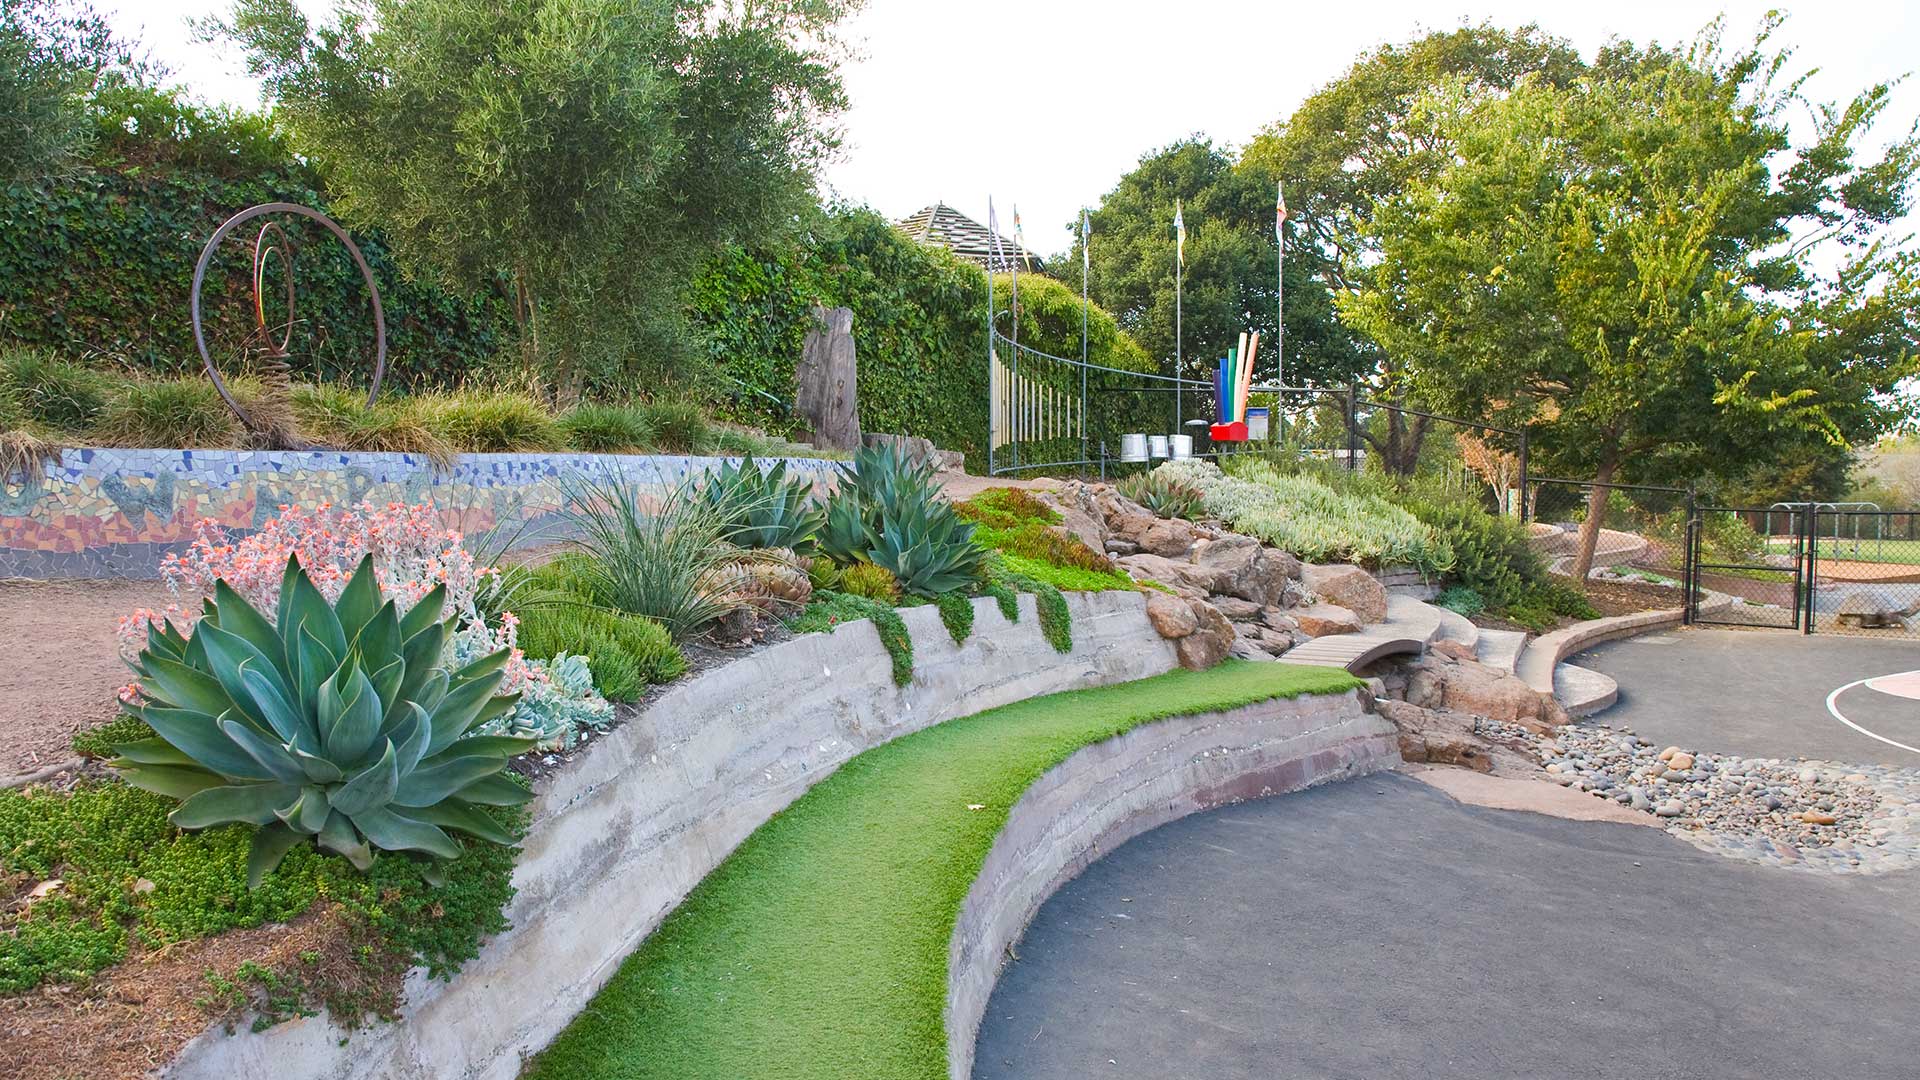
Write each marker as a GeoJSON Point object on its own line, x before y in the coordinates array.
{"type": "Point", "coordinates": [1544, 653]}
{"type": "Point", "coordinates": [1112, 791]}
{"type": "Point", "coordinates": [622, 835]}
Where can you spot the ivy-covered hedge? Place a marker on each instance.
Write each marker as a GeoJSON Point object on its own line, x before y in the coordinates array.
{"type": "Point", "coordinates": [919, 326]}
{"type": "Point", "coordinates": [101, 261]}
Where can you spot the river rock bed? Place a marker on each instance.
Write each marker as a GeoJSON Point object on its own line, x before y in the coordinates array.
{"type": "Point", "coordinates": [1816, 815]}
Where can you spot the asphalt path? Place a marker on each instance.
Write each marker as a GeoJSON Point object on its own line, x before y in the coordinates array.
{"type": "Point", "coordinates": [1377, 929]}
{"type": "Point", "coordinates": [1763, 693]}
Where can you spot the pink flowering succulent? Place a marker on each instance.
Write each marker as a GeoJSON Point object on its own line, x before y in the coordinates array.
{"type": "Point", "coordinates": [412, 553]}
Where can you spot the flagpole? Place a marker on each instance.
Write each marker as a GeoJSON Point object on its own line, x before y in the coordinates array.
{"type": "Point", "coordinates": [1179, 267]}
{"type": "Point", "coordinates": [992, 353]}
{"type": "Point", "coordinates": [1086, 257]}
{"type": "Point", "coordinates": [1279, 286]}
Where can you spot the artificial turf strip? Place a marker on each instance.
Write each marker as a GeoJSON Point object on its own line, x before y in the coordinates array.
{"type": "Point", "coordinates": [818, 949]}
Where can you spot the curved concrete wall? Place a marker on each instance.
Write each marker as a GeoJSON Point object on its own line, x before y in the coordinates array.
{"type": "Point", "coordinates": [619, 837]}
{"type": "Point", "coordinates": [1112, 791]}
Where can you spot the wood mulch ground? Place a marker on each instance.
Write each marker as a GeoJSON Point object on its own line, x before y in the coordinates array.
{"type": "Point", "coordinates": [1608, 597]}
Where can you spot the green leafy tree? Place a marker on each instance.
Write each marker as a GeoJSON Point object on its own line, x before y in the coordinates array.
{"type": "Point", "coordinates": [592, 152]}
{"type": "Point", "coordinates": [1228, 286]}
{"type": "Point", "coordinates": [1624, 262]}
{"type": "Point", "coordinates": [53, 56]}
{"type": "Point", "coordinates": [1364, 137]}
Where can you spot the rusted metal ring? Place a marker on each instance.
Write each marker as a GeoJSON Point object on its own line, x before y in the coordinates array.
{"type": "Point", "coordinates": [282, 247]}
{"type": "Point", "coordinates": [366, 275]}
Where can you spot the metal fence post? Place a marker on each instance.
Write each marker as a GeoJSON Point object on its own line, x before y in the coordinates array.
{"type": "Point", "coordinates": [1523, 476]}
{"type": "Point", "coordinates": [1810, 524]}
{"type": "Point", "coordinates": [1690, 606]}
{"type": "Point", "coordinates": [1353, 428]}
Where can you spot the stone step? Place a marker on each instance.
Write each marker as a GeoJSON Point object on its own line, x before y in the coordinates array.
{"type": "Point", "coordinates": [1500, 649]}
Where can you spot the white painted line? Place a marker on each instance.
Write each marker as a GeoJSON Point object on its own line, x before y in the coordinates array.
{"type": "Point", "coordinates": [1837, 715]}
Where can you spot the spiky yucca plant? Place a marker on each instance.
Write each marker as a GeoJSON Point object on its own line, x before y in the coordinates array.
{"type": "Point", "coordinates": [334, 722]}
{"type": "Point", "coordinates": [765, 509]}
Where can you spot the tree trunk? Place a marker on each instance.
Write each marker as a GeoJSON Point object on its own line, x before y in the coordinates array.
{"type": "Point", "coordinates": [1596, 518]}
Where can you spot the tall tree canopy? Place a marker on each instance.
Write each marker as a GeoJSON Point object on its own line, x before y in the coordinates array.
{"type": "Point", "coordinates": [1361, 139]}
{"type": "Point", "coordinates": [592, 152]}
{"type": "Point", "coordinates": [53, 56]}
{"type": "Point", "coordinates": [1636, 256]}
{"type": "Point", "coordinates": [1229, 282]}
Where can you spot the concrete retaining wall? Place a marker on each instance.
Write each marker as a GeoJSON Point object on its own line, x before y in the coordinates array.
{"type": "Point", "coordinates": [117, 513]}
{"type": "Point", "coordinates": [1544, 653]}
{"type": "Point", "coordinates": [620, 836]}
{"type": "Point", "coordinates": [1112, 791]}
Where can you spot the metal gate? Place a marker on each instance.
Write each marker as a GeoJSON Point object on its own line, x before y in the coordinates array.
{"type": "Point", "coordinates": [1809, 567]}
{"type": "Point", "coordinates": [1747, 567]}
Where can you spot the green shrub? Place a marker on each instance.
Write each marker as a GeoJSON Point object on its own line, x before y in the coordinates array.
{"type": "Point", "coordinates": [493, 423]}
{"type": "Point", "coordinates": [186, 413]}
{"type": "Point", "coordinates": [870, 581]}
{"type": "Point", "coordinates": [1491, 553]}
{"type": "Point", "coordinates": [764, 508]}
{"type": "Point", "coordinates": [679, 427]}
{"type": "Point", "coordinates": [337, 417]}
{"type": "Point", "coordinates": [48, 389]}
{"type": "Point", "coordinates": [608, 429]}
{"type": "Point", "coordinates": [956, 613]}
{"type": "Point", "coordinates": [828, 610]}
{"type": "Point", "coordinates": [625, 652]}
{"type": "Point", "coordinates": [1462, 600]}
{"type": "Point", "coordinates": [663, 557]}
{"type": "Point", "coordinates": [334, 723]}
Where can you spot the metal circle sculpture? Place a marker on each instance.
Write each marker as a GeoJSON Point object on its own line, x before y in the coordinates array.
{"type": "Point", "coordinates": [273, 241]}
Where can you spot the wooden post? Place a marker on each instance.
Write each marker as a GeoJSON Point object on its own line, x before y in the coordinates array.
{"type": "Point", "coordinates": [826, 382]}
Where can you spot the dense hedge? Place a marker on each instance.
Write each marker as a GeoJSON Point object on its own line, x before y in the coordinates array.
{"type": "Point", "coordinates": [101, 261]}
{"type": "Point", "coordinates": [919, 326]}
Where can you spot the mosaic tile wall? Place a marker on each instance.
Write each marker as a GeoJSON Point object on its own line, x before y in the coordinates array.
{"type": "Point", "coordinates": [115, 513]}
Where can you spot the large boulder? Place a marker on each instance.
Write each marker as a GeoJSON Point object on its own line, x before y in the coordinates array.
{"type": "Point", "coordinates": [1211, 640]}
{"type": "Point", "coordinates": [1350, 587]}
{"type": "Point", "coordinates": [1076, 515]}
{"type": "Point", "coordinates": [1319, 620]}
{"type": "Point", "coordinates": [1172, 572]}
{"type": "Point", "coordinates": [1171, 616]}
{"type": "Point", "coordinates": [1465, 686]}
{"type": "Point", "coordinates": [1247, 568]}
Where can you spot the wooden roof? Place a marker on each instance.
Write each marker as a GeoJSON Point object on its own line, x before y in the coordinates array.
{"type": "Point", "coordinates": [941, 225]}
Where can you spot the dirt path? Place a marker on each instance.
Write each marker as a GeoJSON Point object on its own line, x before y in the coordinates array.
{"type": "Point", "coordinates": [59, 666]}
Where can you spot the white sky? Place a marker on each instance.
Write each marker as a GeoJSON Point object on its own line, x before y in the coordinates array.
{"type": "Point", "coordinates": [1045, 103]}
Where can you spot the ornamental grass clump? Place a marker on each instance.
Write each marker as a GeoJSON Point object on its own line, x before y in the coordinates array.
{"type": "Point", "coordinates": [336, 417]}
{"type": "Point", "coordinates": [495, 423]}
{"type": "Point", "coordinates": [338, 723]}
{"type": "Point", "coordinates": [608, 429]}
{"type": "Point", "coordinates": [664, 557]}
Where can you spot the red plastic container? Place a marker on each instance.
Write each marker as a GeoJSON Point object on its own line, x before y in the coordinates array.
{"type": "Point", "coordinates": [1234, 432]}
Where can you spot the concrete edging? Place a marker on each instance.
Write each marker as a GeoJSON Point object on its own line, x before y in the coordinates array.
{"type": "Point", "coordinates": [1580, 691]}
{"type": "Point", "coordinates": [624, 833]}
{"type": "Point", "coordinates": [1114, 790]}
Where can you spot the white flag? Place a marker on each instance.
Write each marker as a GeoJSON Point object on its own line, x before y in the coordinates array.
{"type": "Point", "coordinates": [1179, 235]}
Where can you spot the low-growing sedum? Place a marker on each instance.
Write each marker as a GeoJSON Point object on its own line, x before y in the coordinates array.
{"type": "Point", "coordinates": [337, 723]}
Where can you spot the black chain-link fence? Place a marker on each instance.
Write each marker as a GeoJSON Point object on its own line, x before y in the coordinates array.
{"type": "Point", "coordinates": [1864, 572]}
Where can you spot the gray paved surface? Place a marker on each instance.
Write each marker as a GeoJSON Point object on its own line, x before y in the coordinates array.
{"type": "Point", "coordinates": [1761, 693]}
{"type": "Point", "coordinates": [1376, 929]}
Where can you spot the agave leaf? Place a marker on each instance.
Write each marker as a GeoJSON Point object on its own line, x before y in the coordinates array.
{"type": "Point", "coordinates": [309, 609]}
{"type": "Point", "coordinates": [270, 845]}
{"type": "Point", "coordinates": [459, 711]}
{"type": "Point", "coordinates": [422, 653]}
{"type": "Point", "coordinates": [338, 836]}
{"type": "Point", "coordinates": [313, 666]}
{"type": "Point", "coordinates": [359, 601]}
{"type": "Point", "coordinates": [386, 690]}
{"type": "Point", "coordinates": [496, 790]}
{"type": "Point", "coordinates": [227, 653]}
{"type": "Point", "coordinates": [424, 613]}
{"type": "Point", "coordinates": [251, 803]}
{"type": "Point", "coordinates": [466, 819]}
{"type": "Point", "coordinates": [272, 756]}
{"type": "Point", "coordinates": [438, 780]}
{"type": "Point", "coordinates": [500, 746]}
{"type": "Point", "coordinates": [200, 737]}
{"type": "Point", "coordinates": [153, 752]}
{"type": "Point", "coordinates": [380, 636]}
{"type": "Point", "coordinates": [309, 812]}
{"type": "Point", "coordinates": [318, 769]}
{"type": "Point", "coordinates": [358, 724]}
{"type": "Point", "coordinates": [373, 788]}
{"type": "Point", "coordinates": [490, 664]}
{"type": "Point", "coordinates": [239, 618]}
{"type": "Point", "coordinates": [283, 613]}
{"type": "Point", "coordinates": [411, 736]}
{"type": "Point", "coordinates": [173, 781]}
{"type": "Point", "coordinates": [184, 687]}
{"type": "Point", "coordinates": [394, 832]}
{"type": "Point", "coordinates": [284, 720]}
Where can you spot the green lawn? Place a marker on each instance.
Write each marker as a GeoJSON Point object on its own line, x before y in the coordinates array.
{"type": "Point", "coordinates": [818, 949]}
{"type": "Point", "coordinates": [1866, 549]}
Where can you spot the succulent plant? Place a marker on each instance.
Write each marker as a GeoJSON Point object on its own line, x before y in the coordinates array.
{"type": "Point", "coordinates": [1166, 496]}
{"type": "Point", "coordinates": [929, 549]}
{"type": "Point", "coordinates": [336, 722]}
{"type": "Point", "coordinates": [847, 533]}
{"type": "Point", "coordinates": [765, 509]}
